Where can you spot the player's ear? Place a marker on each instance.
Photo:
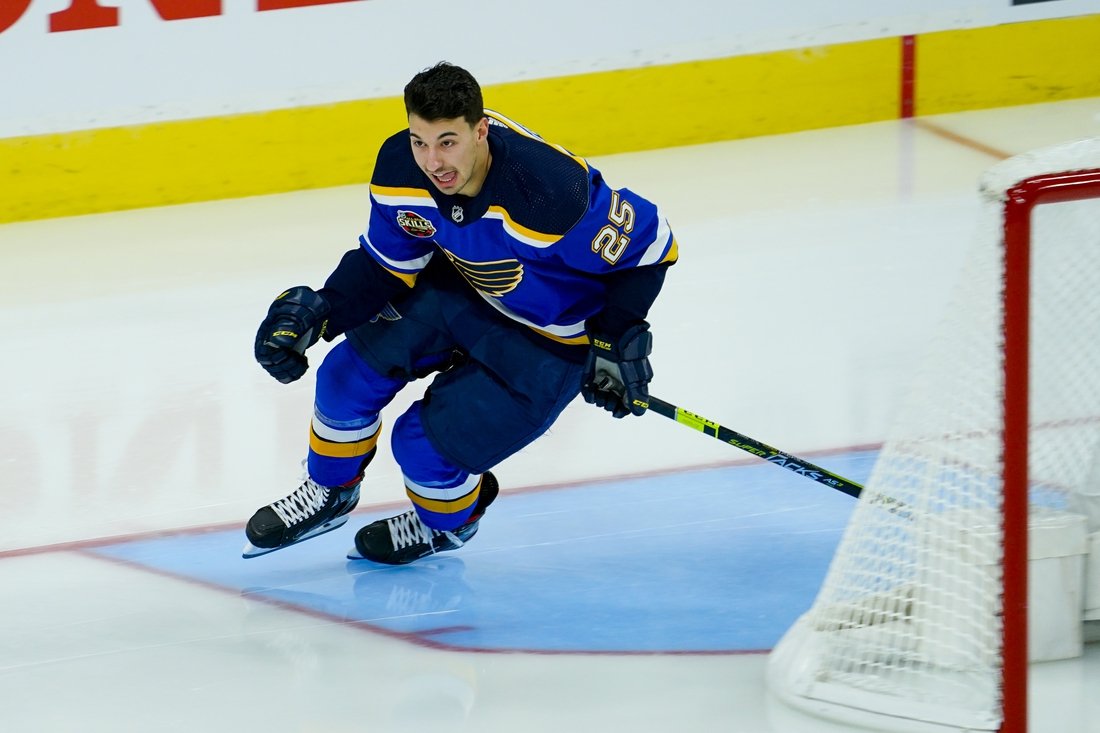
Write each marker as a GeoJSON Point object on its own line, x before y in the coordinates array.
{"type": "Point", "coordinates": [481, 129]}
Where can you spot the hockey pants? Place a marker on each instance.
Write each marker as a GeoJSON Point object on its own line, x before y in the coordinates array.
{"type": "Point", "coordinates": [505, 395]}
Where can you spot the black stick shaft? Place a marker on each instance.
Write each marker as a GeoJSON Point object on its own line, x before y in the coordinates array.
{"type": "Point", "coordinates": [755, 447]}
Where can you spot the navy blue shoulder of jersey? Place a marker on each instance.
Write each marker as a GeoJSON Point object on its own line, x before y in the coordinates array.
{"type": "Point", "coordinates": [542, 187]}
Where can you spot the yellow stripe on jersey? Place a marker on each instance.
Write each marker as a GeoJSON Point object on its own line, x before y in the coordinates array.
{"type": "Point", "coordinates": [581, 340]}
{"type": "Point", "coordinates": [527, 133]}
{"type": "Point", "coordinates": [419, 193]}
{"type": "Point", "coordinates": [522, 230]}
{"type": "Point", "coordinates": [445, 507]}
{"type": "Point", "coordinates": [673, 253]}
{"type": "Point", "coordinates": [511, 125]}
{"type": "Point", "coordinates": [406, 277]}
{"type": "Point", "coordinates": [330, 449]}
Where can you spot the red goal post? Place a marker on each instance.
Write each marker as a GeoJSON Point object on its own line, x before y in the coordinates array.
{"type": "Point", "coordinates": [1020, 201]}
{"type": "Point", "coordinates": [922, 621]}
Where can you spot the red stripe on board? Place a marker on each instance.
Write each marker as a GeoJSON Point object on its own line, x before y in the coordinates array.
{"type": "Point", "coordinates": [284, 4]}
{"type": "Point", "coordinates": [908, 75]}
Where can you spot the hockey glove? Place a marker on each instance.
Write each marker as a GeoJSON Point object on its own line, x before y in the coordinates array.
{"type": "Point", "coordinates": [295, 321]}
{"type": "Point", "coordinates": [617, 371]}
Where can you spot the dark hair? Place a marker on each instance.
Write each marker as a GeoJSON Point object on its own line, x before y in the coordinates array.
{"type": "Point", "coordinates": [444, 92]}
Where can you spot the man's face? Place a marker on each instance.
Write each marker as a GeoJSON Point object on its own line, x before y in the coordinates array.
{"type": "Point", "coordinates": [452, 153]}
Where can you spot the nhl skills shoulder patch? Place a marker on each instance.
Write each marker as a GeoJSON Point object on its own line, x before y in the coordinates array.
{"type": "Point", "coordinates": [414, 224]}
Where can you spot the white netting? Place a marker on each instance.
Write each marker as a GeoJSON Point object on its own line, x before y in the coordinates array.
{"type": "Point", "coordinates": [907, 622]}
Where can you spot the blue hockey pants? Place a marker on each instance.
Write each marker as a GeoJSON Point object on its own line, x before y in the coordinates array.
{"type": "Point", "coordinates": [503, 393]}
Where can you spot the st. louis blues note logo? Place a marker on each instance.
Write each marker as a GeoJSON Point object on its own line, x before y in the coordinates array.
{"type": "Point", "coordinates": [414, 224]}
{"type": "Point", "coordinates": [389, 313]}
{"type": "Point", "coordinates": [492, 278]}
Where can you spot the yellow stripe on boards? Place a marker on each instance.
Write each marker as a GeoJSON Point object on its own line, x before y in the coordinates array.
{"type": "Point", "coordinates": [705, 101]}
{"type": "Point", "coordinates": [590, 114]}
{"type": "Point", "coordinates": [193, 160]}
{"type": "Point", "coordinates": [1020, 63]}
{"type": "Point", "coordinates": [311, 147]}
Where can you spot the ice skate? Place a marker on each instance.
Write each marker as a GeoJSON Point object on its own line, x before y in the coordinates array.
{"type": "Point", "coordinates": [309, 511]}
{"type": "Point", "coordinates": [402, 539]}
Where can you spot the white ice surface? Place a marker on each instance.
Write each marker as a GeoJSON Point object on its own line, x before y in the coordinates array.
{"type": "Point", "coordinates": [813, 268]}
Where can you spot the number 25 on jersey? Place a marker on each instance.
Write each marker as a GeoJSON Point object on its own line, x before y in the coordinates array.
{"type": "Point", "coordinates": [611, 241]}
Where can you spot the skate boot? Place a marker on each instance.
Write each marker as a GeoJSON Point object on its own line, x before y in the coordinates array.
{"type": "Point", "coordinates": [400, 540]}
{"type": "Point", "coordinates": [309, 511]}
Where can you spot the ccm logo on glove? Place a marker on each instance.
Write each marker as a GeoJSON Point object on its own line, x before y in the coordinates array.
{"type": "Point", "coordinates": [279, 348]}
{"type": "Point", "coordinates": [617, 372]}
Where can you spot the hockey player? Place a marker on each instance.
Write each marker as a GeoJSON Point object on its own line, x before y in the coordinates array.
{"type": "Point", "coordinates": [502, 264]}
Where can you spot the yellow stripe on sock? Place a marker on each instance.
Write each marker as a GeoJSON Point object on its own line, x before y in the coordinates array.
{"type": "Point", "coordinates": [327, 448]}
{"type": "Point", "coordinates": [446, 507]}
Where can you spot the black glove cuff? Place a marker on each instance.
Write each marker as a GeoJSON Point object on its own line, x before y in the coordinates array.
{"type": "Point", "coordinates": [636, 343]}
{"type": "Point", "coordinates": [307, 307]}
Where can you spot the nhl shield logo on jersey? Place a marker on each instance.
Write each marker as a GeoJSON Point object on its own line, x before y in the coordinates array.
{"type": "Point", "coordinates": [458, 214]}
{"type": "Point", "coordinates": [414, 224]}
{"type": "Point", "coordinates": [492, 278]}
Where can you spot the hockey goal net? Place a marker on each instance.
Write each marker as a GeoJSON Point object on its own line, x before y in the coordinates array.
{"type": "Point", "coordinates": [921, 623]}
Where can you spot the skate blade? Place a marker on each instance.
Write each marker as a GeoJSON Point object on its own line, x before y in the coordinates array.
{"type": "Point", "coordinates": [250, 550]}
{"type": "Point", "coordinates": [354, 554]}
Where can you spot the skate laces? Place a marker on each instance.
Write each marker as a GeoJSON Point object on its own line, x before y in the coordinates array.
{"type": "Point", "coordinates": [407, 530]}
{"type": "Point", "coordinates": [303, 503]}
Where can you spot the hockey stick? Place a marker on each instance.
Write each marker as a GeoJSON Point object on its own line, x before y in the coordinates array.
{"type": "Point", "coordinates": [755, 447]}
{"type": "Point", "coordinates": [776, 456]}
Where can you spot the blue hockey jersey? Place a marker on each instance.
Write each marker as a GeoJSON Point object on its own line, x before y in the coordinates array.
{"type": "Point", "coordinates": [539, 240]}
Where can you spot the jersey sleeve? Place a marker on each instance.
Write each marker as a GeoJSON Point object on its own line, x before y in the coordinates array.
{"type": "Point", "coordinates": [630, 295]}
{"type": "Point", "coordinates": [621, 230]}
{"type": "Point", "coordinates": [356, 291]}
{"type": "Point", "coordinates": [401, 254]}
